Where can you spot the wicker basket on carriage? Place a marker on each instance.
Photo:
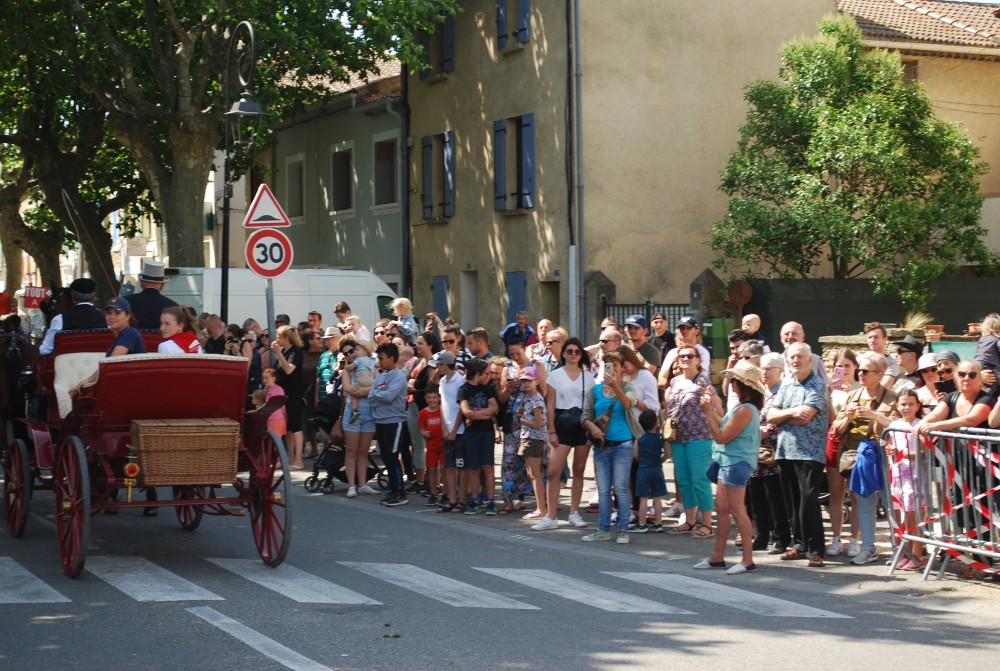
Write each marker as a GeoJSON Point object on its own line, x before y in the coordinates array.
{"type": "Point", "coordinates": [186, 451]}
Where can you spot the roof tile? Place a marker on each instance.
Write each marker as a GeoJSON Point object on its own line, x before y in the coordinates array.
{"type": "Point", "coordinates": [966, 24]}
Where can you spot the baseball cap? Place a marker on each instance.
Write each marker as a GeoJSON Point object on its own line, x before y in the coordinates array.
{"type": "Point", "coordinates": [637, 320]}
{"type": "Point", "coordinates": [282, 318]}
{"type": "Point", "coordinates": [442, 358]}
{"type": "Point", "coordinates": [528, 373]}
{"type": "Point", "coordinates": [118, 304]}
{"type": "Point", "coordinates": [690, 322]}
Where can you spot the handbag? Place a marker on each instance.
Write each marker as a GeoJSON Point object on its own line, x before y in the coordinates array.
{"type": "Point", "coordinates": [602, 424]}
{"type": "Point", "coordinates": [766, 454]}
{"type": "Point", "coordinates": [669, 429]}
{"type": "Point", "coordinates": [569, 422]}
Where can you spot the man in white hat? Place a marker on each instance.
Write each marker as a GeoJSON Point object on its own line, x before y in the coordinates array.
{"type": "Point", "coordinates": [148, 304]}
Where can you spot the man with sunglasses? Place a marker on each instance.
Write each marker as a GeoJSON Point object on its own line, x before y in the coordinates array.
{"type": "Point", "coordinates": [908, 350]}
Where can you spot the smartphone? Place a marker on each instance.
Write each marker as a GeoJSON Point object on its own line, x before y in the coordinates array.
{"type": "Point", "coordinates": [511, 373]}
{"type": "Point", "coordinates": [838, 375]}
{"type": "Point", "coordinates": [609, 369]}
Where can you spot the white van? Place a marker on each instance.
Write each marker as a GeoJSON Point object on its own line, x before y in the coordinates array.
{"type": "Point", "coordinates": [296, 293]}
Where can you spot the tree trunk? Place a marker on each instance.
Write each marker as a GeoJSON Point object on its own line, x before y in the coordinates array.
{"type": "Point", "coordinates": [178, 188]}
{"type": "Point", "coordinates": [97, 251]}
{"type": "Point", "coordinates": [42, 246]}
{"type": "Point", "coordinates": [13, 262]}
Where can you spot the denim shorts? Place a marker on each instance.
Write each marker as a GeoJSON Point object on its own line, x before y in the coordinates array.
{"type": "Point", "coordinates": [365, 422]}
{"type": "Point", "coordinates": [736, 475]}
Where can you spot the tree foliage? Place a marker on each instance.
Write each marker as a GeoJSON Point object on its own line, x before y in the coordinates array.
{"type": "Point", "coordinates": [157, 67]}
{"type": "Point", "coordinates": [842, 161]}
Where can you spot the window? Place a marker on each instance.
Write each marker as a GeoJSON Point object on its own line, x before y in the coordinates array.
{"type": "Point", "coordinates": [513, 22]}
{"type": "Point", "coordinates": [294, 183]}
{"type": "Point", "coordinates": [437, 159]}
{"type": "Point", "coordinates": [439, 50]}
{"type": "Point", "coordinates": [910, 71]}
{"type": "Point", "coordinates": [514, 163]}
{"type": "Point", "coordinates": [341, 178]}
{"type": "Point", "coordinates": [384, 172]}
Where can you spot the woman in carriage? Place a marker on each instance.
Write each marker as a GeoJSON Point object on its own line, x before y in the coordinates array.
{"type": "Point", "coordinates": [179, 332]}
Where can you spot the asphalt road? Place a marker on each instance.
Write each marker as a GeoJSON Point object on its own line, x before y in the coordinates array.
{"type": "Point", "coordinates": [368, 587]}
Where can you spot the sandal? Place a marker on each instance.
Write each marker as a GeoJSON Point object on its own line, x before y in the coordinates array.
{"type": "Point", "coordinates": [507, 507]}
{"type": "Point", "coordinates": [686, 528]}
{"type": "Point", "coordinates": [457, 508]}
{"type": "Point", "coordinates": [701, 531]}
{"type": "Point", "coordinates": [535, 515]}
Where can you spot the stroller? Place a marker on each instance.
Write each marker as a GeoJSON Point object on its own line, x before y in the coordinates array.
{"type": "Point", "coordinates": [331, 459]}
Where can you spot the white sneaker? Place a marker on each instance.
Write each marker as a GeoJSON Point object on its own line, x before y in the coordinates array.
{"type": "Point", "coordinates": [576, 520]}
{"type": "Point", "coordinates": [368, 489]}
{"type": "Point", "coordinates": [545, 524]}
{"type": "Point", "coordinates": [352, 492]}
{"type": "Point", "coordinates": [866, 556]}
{"type": "Point", "coordinates": [834, 549]}
{"type": "Point", "coordinates": [622, 538]}
{"type": "Point", "coordinates": [674, 510]}
{"type": "Point", "coordinates": [853, 548]}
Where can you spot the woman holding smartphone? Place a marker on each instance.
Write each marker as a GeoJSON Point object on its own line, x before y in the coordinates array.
{"type": "Point", "coordinates": [843, 381]}
{"type": "Point", "coordinates": [692, 446]}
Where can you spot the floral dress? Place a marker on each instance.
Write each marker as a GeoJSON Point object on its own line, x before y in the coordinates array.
{"type": "Point", "coordinates": [513, 474]}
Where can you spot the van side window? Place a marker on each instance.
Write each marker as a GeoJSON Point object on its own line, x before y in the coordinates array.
{"type": "Point", "coordinates": [384, 311]}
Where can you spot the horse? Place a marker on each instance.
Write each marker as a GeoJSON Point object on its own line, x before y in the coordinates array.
{"type": "Point", "coordinates": [17, 354]}
{"type": "Point", "coordinates": [57, 302]}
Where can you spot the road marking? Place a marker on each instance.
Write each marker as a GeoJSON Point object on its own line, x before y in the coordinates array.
{"type": "Point", "coordinates": [583, 592]}
{"type": "Point", "coordinates": [143, 580]}
{"type": "Point", "coordinates": [729, 597]}
{"type": "Point", "coordinates": [262, 644]}
{"type": "Point", "coordinates": [294, 583]}
{"type": "Point", "coordinates": [437, 587]}
{"type": "Point", "coordinates": [18, 585]}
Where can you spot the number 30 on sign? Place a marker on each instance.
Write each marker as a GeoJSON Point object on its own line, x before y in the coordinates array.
{"type": "Point", "coordinates": [268, 252]}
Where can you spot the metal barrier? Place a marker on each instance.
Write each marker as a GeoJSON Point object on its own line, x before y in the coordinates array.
{"type": "Point", "coordinates": [674, 312]}
{"type": "Point", "coordinates": [951, 483]}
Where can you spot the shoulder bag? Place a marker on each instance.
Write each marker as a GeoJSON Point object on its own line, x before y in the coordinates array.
{"type": "Point", "coordinates": [569, 422]}
{"type": "Point", "coordinates": [847, 454]}
{"type": "Point", "coordinates": [602, 424]}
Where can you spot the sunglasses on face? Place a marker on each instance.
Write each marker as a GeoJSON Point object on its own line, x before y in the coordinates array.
{"type": "Point", "coordinates": [864, 371]}
{"type": "Point", "coordinates": [347, 351]}
{"type": "Point", "coordinates": [747, 357]}
{"type": "Point", "coordinates": [687, 356]}
{"type": "Point", "coordinates": [971, 374]}
{"type": "Point", "coordinates": [569, 351]}
{"type": "Point", "coordinates": [945, 370]}
{"type": "Point", "coordinates": [379, 332]}
{"type": "Point", "coordinates": [448, 342]}
{"type": "Point", "coordinates": [552, 342]}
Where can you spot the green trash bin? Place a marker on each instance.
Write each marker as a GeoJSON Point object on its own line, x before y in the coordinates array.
{"type": "Point", "coordinates": [715, 334]}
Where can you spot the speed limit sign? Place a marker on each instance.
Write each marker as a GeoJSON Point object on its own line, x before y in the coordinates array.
{"type": "Point", "coordinates": [268, 252]}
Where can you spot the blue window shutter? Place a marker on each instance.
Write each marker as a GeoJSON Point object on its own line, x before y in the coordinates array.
{"type": "Point", "coordinates": [425, 69]}
{"type": "Point", "coordinates": [449, 173]}
{"type": "Point", "coordinates": [526, 172]}
{"type": "Point", "coordinates": [499, 165]}
{"type": "Point", "coordinates": [448, 45]}
{"type": "Point", "coordinates": [427, 175]}
{"type": "Point", "coordinates": [502, 23]}
{"type": "Point", "coordinates": [523, 31]}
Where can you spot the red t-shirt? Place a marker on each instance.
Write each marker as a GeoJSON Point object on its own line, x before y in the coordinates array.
{"type": "Point", "coordinates": [430, 421]}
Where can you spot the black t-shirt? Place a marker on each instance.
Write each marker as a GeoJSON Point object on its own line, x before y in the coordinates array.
{"type": "Point", "coordinates": [419, 385]}
{"type": "Point", "coordinates": [478, 397]}
{"type": "Point", "coordinates": [292, 382]}
{"type": "Point", "coordinates": [952, 400]}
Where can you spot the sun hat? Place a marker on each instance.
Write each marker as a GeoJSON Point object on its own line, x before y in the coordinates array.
{"type": "Point", "coordinates": [748, 374]}
{"type": "Point", "coordinates": [927, 362]}
{"type": "Point", "coordinates": [910, 344]}
{"type": "Point", "coordinates": [330, 332]}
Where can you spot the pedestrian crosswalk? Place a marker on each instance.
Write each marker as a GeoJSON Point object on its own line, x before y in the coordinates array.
{"type": "Point", "coordinates": [614, 592]}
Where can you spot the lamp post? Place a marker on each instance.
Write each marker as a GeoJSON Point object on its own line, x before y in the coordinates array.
{"type": "Point", "coordinates": [242, 120]}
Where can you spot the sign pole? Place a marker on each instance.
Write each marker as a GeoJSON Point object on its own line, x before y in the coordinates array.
{"type": "Point", "coordinates": [269, 298]}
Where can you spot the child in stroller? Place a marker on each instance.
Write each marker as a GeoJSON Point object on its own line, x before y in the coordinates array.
{"type": "Point", "coordinates": [331, 459]}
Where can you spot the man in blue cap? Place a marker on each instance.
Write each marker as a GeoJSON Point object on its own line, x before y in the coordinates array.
{"type": "Point", "coordinates": [83, 314]}
{"type": "Point", "coordinates": [638, 334]}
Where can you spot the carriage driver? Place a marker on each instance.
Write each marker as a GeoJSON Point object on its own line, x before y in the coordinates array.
{"type": "Point", "coordinates": [83, 314]}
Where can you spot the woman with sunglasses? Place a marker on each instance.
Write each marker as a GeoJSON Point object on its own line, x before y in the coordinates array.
{"type": "Point", "coordinates": [969, 406]}
{"type": "Point", "coordinates": [927, 385]}
{"type": "Point", "coordinates": [869, 410]}
{"type": "Point", "coordinates": [357, 435]}
{"type": "Point", "coordinates": [567, 390]}
{"type": "Point", "coordinates": [691, 447]}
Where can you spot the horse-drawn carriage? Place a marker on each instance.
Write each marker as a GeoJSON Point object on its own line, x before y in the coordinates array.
{"type": "Point", "coordinates": [147, 421]}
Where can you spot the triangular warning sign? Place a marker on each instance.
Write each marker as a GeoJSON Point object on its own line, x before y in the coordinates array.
{"type": "Point", "coordinates": [264, 211]}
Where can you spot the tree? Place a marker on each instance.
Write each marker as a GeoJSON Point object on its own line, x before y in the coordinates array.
{"type": "Point", "coordinates": [843, 161]}
{"type": "Point", "coordinates": [157, 67]}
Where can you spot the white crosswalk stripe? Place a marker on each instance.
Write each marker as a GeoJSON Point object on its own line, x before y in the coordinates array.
{"type": "Point", "coordinates": [18, 585]}
{"type": "Point", "coordinates": [293, 583]}
{"type": "Point", "coordinates": [437, 587]}
{"type": "Point", "coordinates": [143, 580]}
{"type": "Point", "coordinates": [583, 592]}
{"type": "Point", "coordinates": [726, 596]}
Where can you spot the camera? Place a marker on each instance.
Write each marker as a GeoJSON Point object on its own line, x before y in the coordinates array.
{"type": "Point", "coordinates": [231, 339]}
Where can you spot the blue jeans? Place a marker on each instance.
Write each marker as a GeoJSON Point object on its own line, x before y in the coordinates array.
{"type": "Point", "coordinates": [866, 519]}
{"type": "Point", "coordinates": [612, 466]}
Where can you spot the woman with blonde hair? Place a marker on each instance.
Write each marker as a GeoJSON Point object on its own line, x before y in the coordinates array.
{"type": "Point", "coordinates": [988, 351]}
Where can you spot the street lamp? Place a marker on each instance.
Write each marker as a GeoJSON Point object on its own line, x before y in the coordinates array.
{"type": "Point", "coordinates": [243, 121]}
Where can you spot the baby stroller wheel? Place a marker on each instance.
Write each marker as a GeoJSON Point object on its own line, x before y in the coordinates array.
{"type": "Point", "coordinates": [383, 478]}
{"type": "Point", "coordinates": [327, 486]}
{"type": "Point", "coordinates": [311, 484]}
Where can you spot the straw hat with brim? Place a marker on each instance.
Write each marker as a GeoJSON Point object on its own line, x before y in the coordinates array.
{"type": "Point", "coordinates": [331, 332]}
{"type": "Point", "coordinates": [748, 374]}
{"type": "Point", "coordinates": [368, 345]}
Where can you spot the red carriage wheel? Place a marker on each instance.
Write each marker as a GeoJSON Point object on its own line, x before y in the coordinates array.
{"type": "Point", "coordinates": [269, 498]}
{"type": "Point", "coordinates": [72, 489]}
{"type": "Point", "coordinates": [189, 516]}
{"type": "Point", "coordinates": [16, 487]}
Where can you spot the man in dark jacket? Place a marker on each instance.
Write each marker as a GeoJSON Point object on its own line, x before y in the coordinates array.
{"type": "Point", "coordinates": [148, 304]}
{"type": "Point", "coordinates": [83, 314]}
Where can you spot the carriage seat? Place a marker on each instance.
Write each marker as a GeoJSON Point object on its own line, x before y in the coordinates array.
{"type": "Point", "coordinates": [70, 370]}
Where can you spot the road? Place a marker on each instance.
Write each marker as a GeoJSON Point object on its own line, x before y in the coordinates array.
{"type": "Point", "coordinates": [368, 587]}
